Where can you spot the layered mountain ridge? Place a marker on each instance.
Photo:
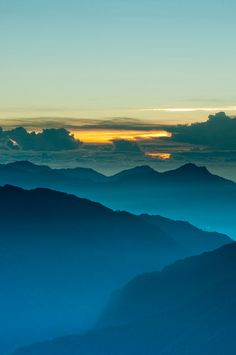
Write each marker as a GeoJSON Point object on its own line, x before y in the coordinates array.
{"type": "Point", "coordinates": [188, 193]}
{"type": "Point", "coordinates": [62, 256]}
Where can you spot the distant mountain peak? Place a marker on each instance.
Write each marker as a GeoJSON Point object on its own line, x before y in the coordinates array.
{"type": "Point", "coordinates": [10, 187]}
{"type": "Point", "coordinates": [142, 169]}
{"type": "Point", "coordinates": [191, 168]}
{"type": "Point", "coordinates": [22, 163]}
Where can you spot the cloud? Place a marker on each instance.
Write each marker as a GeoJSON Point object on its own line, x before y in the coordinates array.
{"type": "Point", "coordinates": [211, 143]}
{"type": "Point", "coordinates": [116, 123]}
{"type": "Point", "coordinates": [47, 140]}
{"type": "Point", "coordinates": [126, 146]}
{"type": "Point", "coordinates": [119, 123]}
{"type": "Point", "coordinates": [190, 109]}
{"type": "Point", "coordinates": [218, 132]}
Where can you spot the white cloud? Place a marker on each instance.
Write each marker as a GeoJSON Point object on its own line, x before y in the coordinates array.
{"type": "Point", "coordinates": [191, 109]}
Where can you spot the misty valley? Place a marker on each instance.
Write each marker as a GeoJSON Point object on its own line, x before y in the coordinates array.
{"type": "Point", "coordinates": [96, 264]}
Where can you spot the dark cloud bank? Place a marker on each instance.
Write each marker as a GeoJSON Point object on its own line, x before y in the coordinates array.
{"type": "Point", "coordinates": [218, 132]}
{"type": "Point", "coordinates": [125, 146]}
{"type": "Point", "coordinates": [47, 140]}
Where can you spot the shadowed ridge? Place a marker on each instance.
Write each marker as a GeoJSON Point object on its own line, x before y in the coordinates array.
{"type": "Point", "coordinates": [188, 193]}
{"type": "Point", "coordinates": [188, 235]}
{"type": "Point", "coordinates": [188, 308]}
{"type": "Point", "coordinates": [194, 172]}
{"type": "Point", "coordinates": [190, 167]}
{"type": "Point", "coordinates": [190, 170]}
{"type": "Point", "coordinates": [142, 169]}
{"type": "Point", "coordinates": [49, 197]}
{"type": "Point", "coordinates": [172, 287]}
{"type": "Point", "coordinates": [84, 173]}
{"type": "Point", "coordinates": [27, 165]}
{"type": "Point", "coordinates": [61, 256]}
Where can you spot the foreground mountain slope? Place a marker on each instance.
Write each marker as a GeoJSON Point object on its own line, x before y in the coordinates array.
{"type": "Point", "coordinates": [188, 308]}
{"type": "Point", "coordinates": [178, 285]}
{"type": "Point", "coordinates": [189, 193]}
{"type": "Point", "coordinates": [61, 256]}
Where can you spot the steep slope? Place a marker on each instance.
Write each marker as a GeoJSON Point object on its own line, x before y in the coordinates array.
{"type": "Point", "coordinates": [188, 308]}
{"type": "Point", "coordinates": [178, 285]}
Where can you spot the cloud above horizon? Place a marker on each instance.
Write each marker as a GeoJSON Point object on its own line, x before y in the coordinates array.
{"type": "Point", "coordinates": [191, 109]}
{"type": "Point", "coordinates": [126, 146]}
{"type": "Point", "coordinates": [129, 142]}
{"type": "Point", "coordinates": [219, 131]}
{"type": "Point", "coordinates": [47, 140]}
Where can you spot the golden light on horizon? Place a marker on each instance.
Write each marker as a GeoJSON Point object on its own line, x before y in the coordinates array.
{"type": "Point", "coordinates": [107, 136]}
{"type": "Point", "coordinates": [163, 156]}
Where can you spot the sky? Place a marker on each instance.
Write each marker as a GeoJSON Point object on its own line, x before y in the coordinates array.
{"type": "Point", "coordinates": [120, 76]}
{"type": "Point", "coordinates": [156, 60]}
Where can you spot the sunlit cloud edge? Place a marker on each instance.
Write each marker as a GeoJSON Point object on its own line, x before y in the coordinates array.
{"type": "Point", "coordinates": [190, 109]}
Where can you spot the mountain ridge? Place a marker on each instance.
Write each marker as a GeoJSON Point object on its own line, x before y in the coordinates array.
{"type": "Point", "coordinates": [188, 193]}
{"type": "Point", "coordinates": [73, 253]}
{"type": "Point", "coordinates": [188, 308]}
{"type": "Point", "coordinates": [139, 169]}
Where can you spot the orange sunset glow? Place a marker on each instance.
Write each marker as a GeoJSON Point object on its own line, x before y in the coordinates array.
{"type": "Point", "coordinates": [164, 156]}
{"type": "Point", "coordinates": [106, 136]}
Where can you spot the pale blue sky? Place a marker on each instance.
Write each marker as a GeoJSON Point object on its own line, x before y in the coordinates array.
{"type": "Point", "coordinates": [106, 58]}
